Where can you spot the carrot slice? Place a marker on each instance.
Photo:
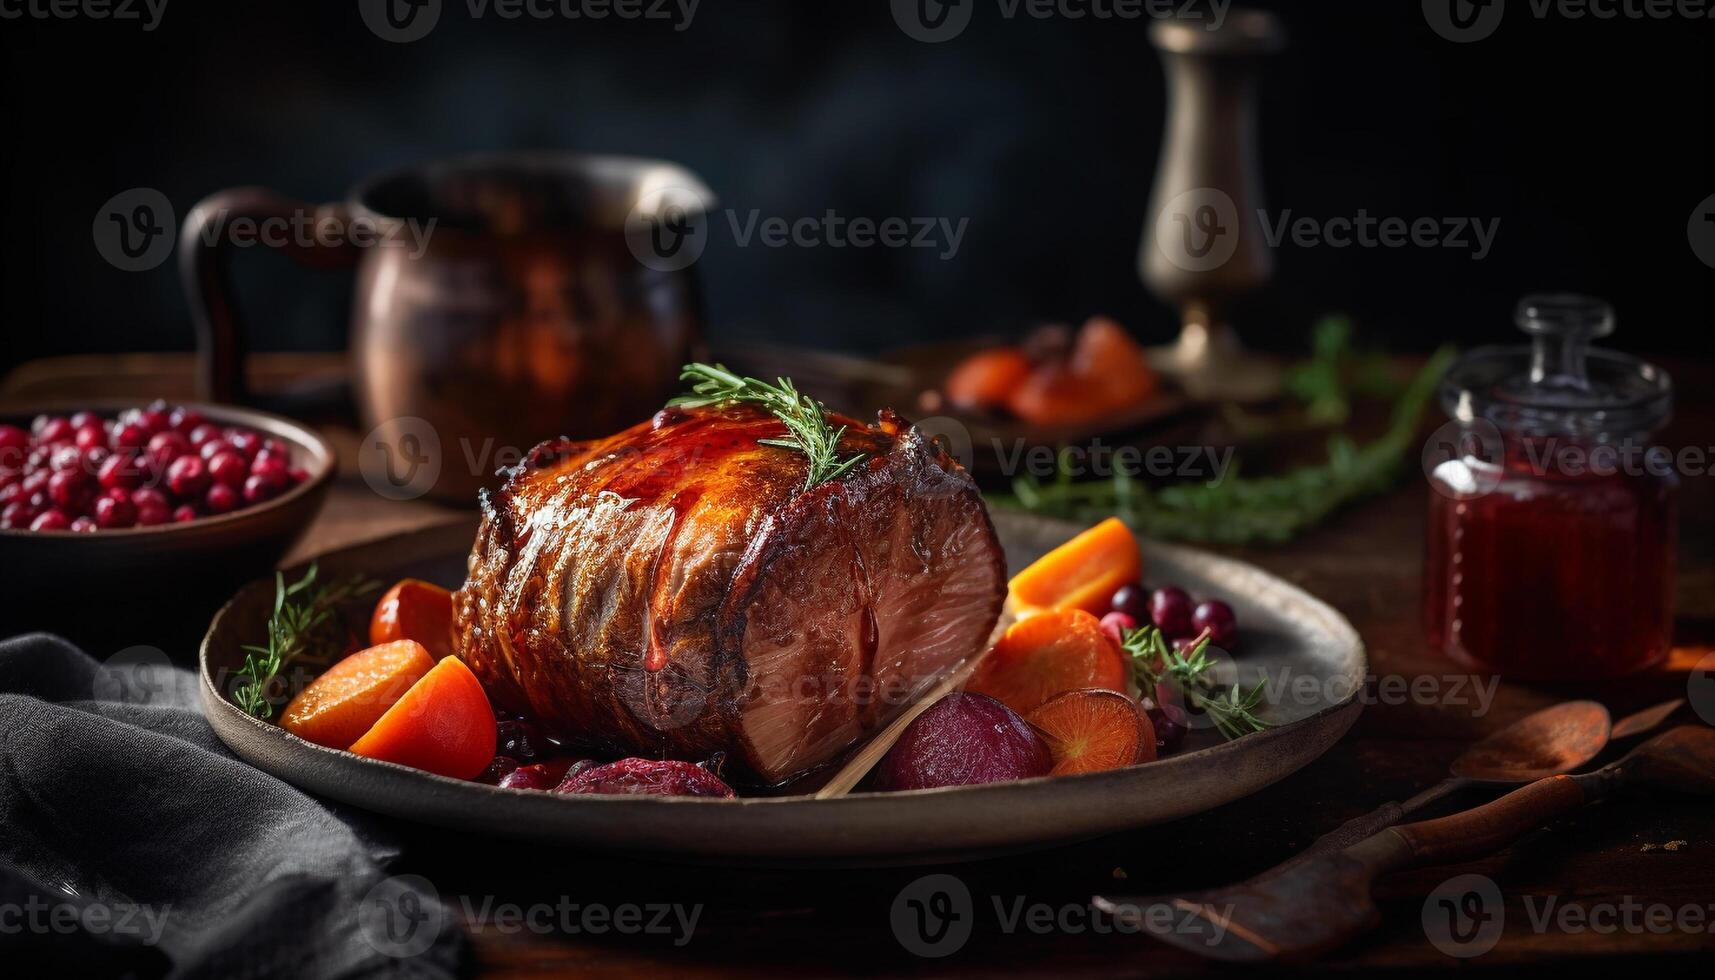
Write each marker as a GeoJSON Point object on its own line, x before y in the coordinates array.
{"type": "Point", "coordinates": [987, 378]}
{"type": "Point", "coordinates": [1083, 573]}
{"type": "Point", "coordinates": [1090, 731]}
{"type": "Point", "coordinates": [444, 725]}
{"type": "Point", "coordinates": [415, 610]}
{"type": "Point", "coordinates": [1115, 365]}
{"type": "Point", "coordinates": [339, 706]}
{"type": "Point", "coordinates": [1047, 654]}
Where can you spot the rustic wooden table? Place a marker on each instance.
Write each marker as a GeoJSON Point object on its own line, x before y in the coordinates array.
{"type": "Point", "coordinates": [1632, 878]}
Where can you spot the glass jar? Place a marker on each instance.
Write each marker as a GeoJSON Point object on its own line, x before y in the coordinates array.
{"type": "Point", "coordinates": [1552, 525]}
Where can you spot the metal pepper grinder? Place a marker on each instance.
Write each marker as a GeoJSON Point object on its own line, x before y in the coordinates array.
{"type": "Point", "coordinates": [1204, 244]}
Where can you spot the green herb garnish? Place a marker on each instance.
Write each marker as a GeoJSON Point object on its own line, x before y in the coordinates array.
{"type": "Point", "coordinates": [1238, 510]}
{"type": "Point", "coordinates": [1153, 660]}
{"type": "Point", "coordinates": [305, 627]}
{"type": "Point", "coordinates": [806, 419]}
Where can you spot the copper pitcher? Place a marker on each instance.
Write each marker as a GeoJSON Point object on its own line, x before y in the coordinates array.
{"type": "Point", "coordinates": [500, 300]}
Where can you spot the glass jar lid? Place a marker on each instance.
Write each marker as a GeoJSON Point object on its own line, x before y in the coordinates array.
{"type": "Point", "coordinates": [1559, 384]}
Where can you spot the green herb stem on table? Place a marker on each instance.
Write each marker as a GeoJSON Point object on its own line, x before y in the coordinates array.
{"type": "Point", "coordinates": [1239, 510]}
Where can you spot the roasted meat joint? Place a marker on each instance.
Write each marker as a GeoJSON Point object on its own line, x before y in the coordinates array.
{"type": "Point", "coordinates": [681, 588]}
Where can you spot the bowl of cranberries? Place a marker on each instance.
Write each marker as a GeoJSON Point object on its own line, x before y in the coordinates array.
{"type": "Point", "coordinates": [140, 500]}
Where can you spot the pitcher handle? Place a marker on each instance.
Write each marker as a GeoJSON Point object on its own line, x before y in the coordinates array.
{"type": "Point", "coordinates": [205, 270]}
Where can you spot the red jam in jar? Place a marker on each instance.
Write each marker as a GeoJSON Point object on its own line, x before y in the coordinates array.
{"type": "Point", "coordinates": [1552, 524]}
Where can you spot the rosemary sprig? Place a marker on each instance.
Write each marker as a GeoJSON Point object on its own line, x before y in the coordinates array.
{"type": "Point", "coordinates": [806, 419]}
{"type": "Point", "coordinates": [1232, 709]}
{"type": "Point", "coordinates": [305, 626]}
{"type": "Point", "coordinates": [1239, 510]}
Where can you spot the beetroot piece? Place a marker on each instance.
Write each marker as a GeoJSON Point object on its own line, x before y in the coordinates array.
{"type": "Point", "coordinates": [647, 777]}
{"type": "Point", "coordinates": [961, 740]}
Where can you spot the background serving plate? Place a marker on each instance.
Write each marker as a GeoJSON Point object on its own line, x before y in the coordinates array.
{"type": "Point", "coordinates": [1311, 656]}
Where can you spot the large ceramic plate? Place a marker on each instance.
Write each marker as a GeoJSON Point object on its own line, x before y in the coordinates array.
{"type": "Point", "coordinates": [1311, 656]}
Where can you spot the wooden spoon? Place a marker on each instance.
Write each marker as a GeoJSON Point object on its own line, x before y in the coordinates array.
{"type": "Point", "coordinates": [1554, 740]}
{"type": "Point", "coordinates": [1319, 904]}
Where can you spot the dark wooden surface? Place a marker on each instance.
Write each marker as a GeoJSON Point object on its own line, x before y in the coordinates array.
{"type": "Point", "coordinates": [833, 921]}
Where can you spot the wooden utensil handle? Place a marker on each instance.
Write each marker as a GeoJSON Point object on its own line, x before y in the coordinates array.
{"type": "Point", "coordinates": [1492, 826]}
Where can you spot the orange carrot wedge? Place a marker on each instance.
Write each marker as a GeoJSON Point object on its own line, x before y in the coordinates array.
{"type": "Point", "coordinates": [339, 706]}
{"type": "Point", "coordinates": [1082, 573]}
{"type": "Point", "coordinates": [987, 378]}
{"type": "Point", "coordinates": [1090, 731]}
{"type": "Point", "coordinates": [443, 725]}
{"type": "Point", "coordinates": [415, 610]}
{"type": "Point", "coordinates": [1059, 650]}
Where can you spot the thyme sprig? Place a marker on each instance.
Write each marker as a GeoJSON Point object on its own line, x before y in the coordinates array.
{"type": "Point", "coordinates": [806, 419]}
{"type": "Point", "coordinates": [305, 627]}
{"type": "Point", "coordinates": [1232, 709]}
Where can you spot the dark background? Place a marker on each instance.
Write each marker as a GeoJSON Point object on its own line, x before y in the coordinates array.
{"type": "Point", "coordinates": [1588, 139]}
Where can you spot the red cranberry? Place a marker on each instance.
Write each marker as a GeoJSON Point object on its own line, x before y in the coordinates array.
{"type": "Point", "coordinates": [170, 440]}
{"type": "Point", "coordinates": [1115, 624]}
{"type": "Point", "coordinates": [226, 466]}
{"type": "Point", "coordinates": [203, 433]}
{"type": "Point", "coordinates": [67, 457]}
{"type": "Point", "coordinates": [151, 510]}
{"type": "Point", "coordinates": [1170, 723]}
{"type": "Point", "coordinates": [36, 481]}
{"type": "Point", "coordinates": [188, 477]}
{"type": "Point", "coordinates": [71, 490]}
{"type": "Point", "coordinates": [1170, 611]}
{"type": "Point", "coordinates": [247, 443]}
{"type": "Point", "coordinates": [1132, 600]}
{"type": "Point", "coordinates": [273, 469]}
{"type": "Point", "coordinates": [257, 489]}
{"type": "Point", "coordinates": [214, 447]}
{"type": "Point", "coordinates": [1216, 617]}
{"type": "Point", "coordinates": [155, 418]}
{"type": "Point", "coordinates": [89, 436]}
{"type": "Point", "coordinates": [51, 520]}
{"type": "Point", "coordinates": [52, 428]}
{"type": "Point", "coordinates": [151, 496]}
{"type": "Point", "coordinates": [184, 420]}
{"type": "Point", "coordinates": [130, 435]}
{"type": "Point", "coordinates": [119, 471]}
{"type": "Point", "coordinates": [164, 447]}
{"type": "Point", "coordinates": [112, 513]}
{"type": "Point", "coordinates": [83, 525]}
{"type": "Point", "coordinates": [298, 474]}
{"type": "Point", "coordinates": [183, 513]}
{"type": "Point", "coordinates": [278, 448]}
{"type": "Point", "coordinates": [79, 420]}
{"type": "Point", "coordinates": [18, 514]}
{"type": "Point", "coordinates": [221, 498]}
{"type": "Point", "coordinates": [14, 446]}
